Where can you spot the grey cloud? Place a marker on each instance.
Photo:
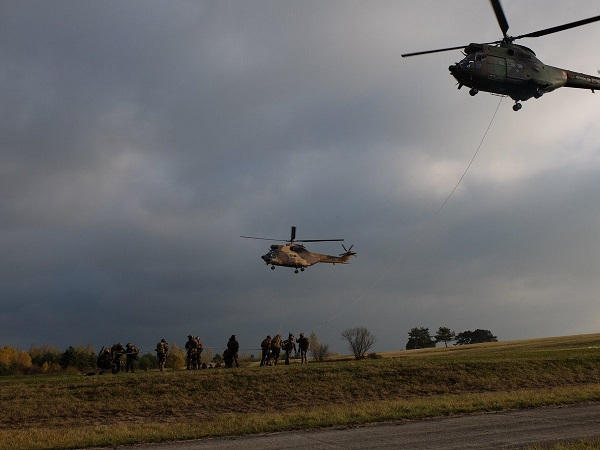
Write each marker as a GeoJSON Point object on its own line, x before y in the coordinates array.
{"type": "Point", "coordinates": [139, 139]}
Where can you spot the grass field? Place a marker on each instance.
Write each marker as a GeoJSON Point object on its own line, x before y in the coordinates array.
{"type": "Point", "coordinates": [49, 411]}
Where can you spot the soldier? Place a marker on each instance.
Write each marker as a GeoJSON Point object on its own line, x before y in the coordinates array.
{"type": "Point", "coordinates": [288, 345]}
{"type": "Point", "coordinates": [162, 352]}
{"type": "Point", "coordinates": [190, 348]}
{"type": "Point", "coordinates": [265, 345]}
{"type": "Point", "coordinates": [104, 360]}
{"type": "Point", "coordinates": [303, 344]}
{"type": "Point", "coordinates": [227, 358]}
{"type": "Point", "coordinates": [234, 347]}
{"type": "Point", "coordinates": [275, 348]}
{"type": "Point", "coordinates": [199, 349]}
{"type": "Point", "coordinates": [131, 355]}
{"type": "Point", "coordinates": [116, 352]}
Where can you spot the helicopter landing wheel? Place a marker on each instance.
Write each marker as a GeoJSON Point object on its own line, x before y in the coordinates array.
{"type": "Point", "coordinates": [296, 271]}
{"type": "Point", "coordinates": [473, 92]}
{"type": "Point", "coordinates": [301, 269]}
{"type": "Point", "coordinates": [272, 267]}
{"type": "Point", "coordinates": [517, 106]}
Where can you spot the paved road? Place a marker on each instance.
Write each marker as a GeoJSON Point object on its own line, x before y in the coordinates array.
{"type": "Point", "coordinates": [485, 431]}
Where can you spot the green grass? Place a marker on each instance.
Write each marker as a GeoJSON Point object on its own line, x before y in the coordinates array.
{"type": "Point", "coordinates": [75, 411]}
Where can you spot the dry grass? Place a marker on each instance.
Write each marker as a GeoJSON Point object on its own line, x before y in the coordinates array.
{"type": "Point", "coordinates": [583, 444]}
{"type": "Point", "coordinates": [76, 411]}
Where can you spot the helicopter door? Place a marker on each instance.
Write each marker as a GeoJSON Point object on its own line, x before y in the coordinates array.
{"type": "Point", "coordinates": [494, 67]}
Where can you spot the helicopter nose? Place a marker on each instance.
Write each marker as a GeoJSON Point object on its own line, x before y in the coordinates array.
{"type": "Point", "coordinates": [452, 68]}
{"type": "Point", "coordinates": [265, 258]}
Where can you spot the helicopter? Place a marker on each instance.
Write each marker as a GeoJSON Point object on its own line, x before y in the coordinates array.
{"type": "Point", "coordinates": [292, 254]}
{"type": "Point", "coordinates": [504, 68]}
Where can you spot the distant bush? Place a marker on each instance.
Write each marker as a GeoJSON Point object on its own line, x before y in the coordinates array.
{"type": "Point", "coordinates": [374, 356]}
{"type": "Point", "coordinates": [13, 361]}
{"type": "Point", "coordinates": [80, 358]}
{"type": "Point", "coordinates": [45, 357]}
{"type": "Point", "coordinates": [475, 337]}
{"type": "Point", "coordinates": [319, 351]}
{"type": "Point", "coordinates": [148, 361]}
{"type": "Point", "coordinates": [176, 358]}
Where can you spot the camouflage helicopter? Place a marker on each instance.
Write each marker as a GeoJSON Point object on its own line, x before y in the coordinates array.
{"type": "Point", "coordinates": [292, 254]}
{"type": "Point", "coordinates": [501, 67]}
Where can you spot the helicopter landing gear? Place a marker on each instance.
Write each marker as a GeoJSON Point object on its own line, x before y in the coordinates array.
{"type": "Point", "coordinates": [272, 267]}
{"type": "Point", "coordinates": [473, 92]}
{"type": "Point", "coordinates": [301, 269]}
{"type": "Point", "coordinates": [517, 106]}
{"type": "Point", "coordinates": [296, 271]}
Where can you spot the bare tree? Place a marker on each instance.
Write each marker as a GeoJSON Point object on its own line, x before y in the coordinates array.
{"type": "Point", "coordinates": [360, 340]}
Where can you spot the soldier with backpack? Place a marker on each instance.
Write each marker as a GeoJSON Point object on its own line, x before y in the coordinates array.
{"type": "Point", "coordinates": [303, 344]}
{"type": "Point", "coordinates": [162, 352]}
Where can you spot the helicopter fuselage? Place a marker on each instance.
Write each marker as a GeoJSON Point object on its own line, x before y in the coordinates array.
{"type": "Point", "coordinates": [514, 70]}
{"type": "Point", "coordinates": [297, 256]}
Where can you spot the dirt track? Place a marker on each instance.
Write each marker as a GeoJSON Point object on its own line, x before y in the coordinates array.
{"type": "Point", "coordinates": [485, 431]}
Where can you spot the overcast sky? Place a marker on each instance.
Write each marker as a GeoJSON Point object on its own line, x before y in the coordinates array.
{"type": "Point", "coordinates": [139, 139]}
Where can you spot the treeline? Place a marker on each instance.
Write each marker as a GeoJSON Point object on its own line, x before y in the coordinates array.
{"type": "Point", "coordinates": [419, 337]}
{"type": "Point", "coordinates": [83, 359]}
{"type": "Point", "coordinates": [47, 359]}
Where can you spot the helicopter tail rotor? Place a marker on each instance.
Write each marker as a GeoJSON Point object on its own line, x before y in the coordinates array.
{"type": "Point", "coordinates": [348, 251]}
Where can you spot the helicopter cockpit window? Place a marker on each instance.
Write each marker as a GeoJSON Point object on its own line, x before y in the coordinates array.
{"type": "Point", "coordinates": [274, 247]}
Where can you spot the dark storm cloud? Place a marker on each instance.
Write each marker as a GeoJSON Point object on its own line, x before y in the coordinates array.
{"type": "Point", "coordinates": [139, 139]}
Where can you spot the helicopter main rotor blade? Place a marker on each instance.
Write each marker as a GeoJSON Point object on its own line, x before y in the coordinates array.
{"type": "Point", "coordinates": [500, 16]}
{"type": "Point", "coordinates": [263, 239]}
{"type": "Point", "coordinates": [558, 28]}
{"type": "Point", "coordinates": [404, 55]}
{"type": "Point", "coordinates": [320, 240]}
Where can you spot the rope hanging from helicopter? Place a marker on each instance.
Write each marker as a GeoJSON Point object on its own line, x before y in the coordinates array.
{"type": "Point", "coordinates": [386, 272]}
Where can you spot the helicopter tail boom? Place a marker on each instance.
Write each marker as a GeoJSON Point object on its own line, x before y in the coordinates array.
{"type": "Point", "coordinates": [334, 259]}
{"type": "Point", "coordinates": [582, 81]}
{"type": "Point", "coordinates": [342, 259]}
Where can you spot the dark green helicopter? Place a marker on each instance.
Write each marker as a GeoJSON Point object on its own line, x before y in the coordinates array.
{"type": "Point", "coordinates": [504, 68]}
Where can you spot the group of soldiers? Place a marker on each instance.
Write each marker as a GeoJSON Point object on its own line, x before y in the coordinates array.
{"type": "Point", "coordinates": [271, 349]}
{"type": "Point", "coordinates": [112, 359]}
{"type": "Point", "coordinates": [194, 348]}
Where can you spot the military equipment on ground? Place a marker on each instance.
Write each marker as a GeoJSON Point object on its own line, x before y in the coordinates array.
{"type": "Point", "coordinates": [295, 255]}
{"type": "Point", "coordinates": [504, 68]}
